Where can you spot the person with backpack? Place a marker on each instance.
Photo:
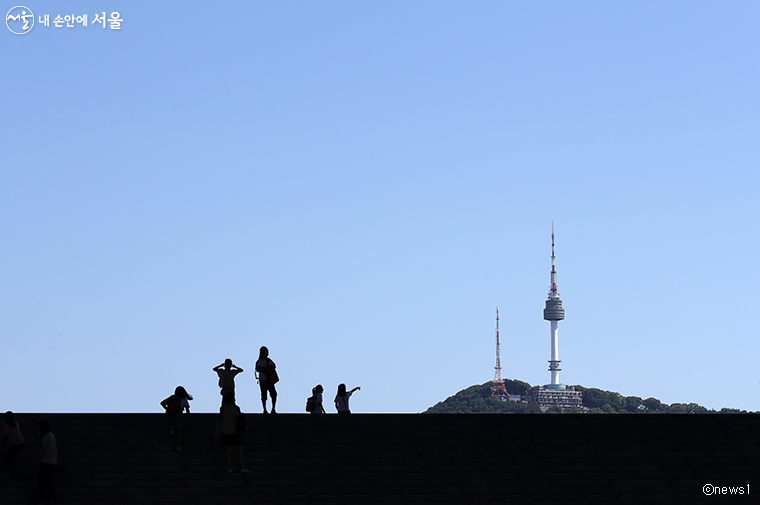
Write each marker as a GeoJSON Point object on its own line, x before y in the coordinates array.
{"type": "Point", "coordinates": [233, 424]}
{"type": "Point", "coordinates": [267, 376]}
{"type": "Point", "coordinates": [15, 442]}
{"type": "Point", "coordinates": [227, 372]}
{"type": "Point", "coordinates": [314, 403]}
{"type": "Point", "coordinates": [341, 399]}
{"type": "Point", "coordinates": [174, 406]}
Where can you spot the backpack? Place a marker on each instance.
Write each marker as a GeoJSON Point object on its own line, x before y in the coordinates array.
{"type": "Point", "coordinates": [311, 405]}
{"type": "Point", "coordinates": [173, 405]}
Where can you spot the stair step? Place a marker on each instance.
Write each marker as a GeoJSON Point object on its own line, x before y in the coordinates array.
{"type": "Point", "coordinates": [389, 458]}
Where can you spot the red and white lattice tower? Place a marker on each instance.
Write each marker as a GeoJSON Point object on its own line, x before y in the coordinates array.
{"type": "Point", "coordinates": [498, 388]}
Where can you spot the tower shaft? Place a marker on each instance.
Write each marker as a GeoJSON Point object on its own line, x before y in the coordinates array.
{"type": "Point", "coordinates": [554, 363]}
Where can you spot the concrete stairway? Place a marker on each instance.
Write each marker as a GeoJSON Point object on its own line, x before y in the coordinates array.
{"type": "Point", "coordinates": [397, 458]}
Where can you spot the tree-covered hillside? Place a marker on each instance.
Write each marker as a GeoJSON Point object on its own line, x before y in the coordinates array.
{"type": "Point", "coordinates": [478, 400]}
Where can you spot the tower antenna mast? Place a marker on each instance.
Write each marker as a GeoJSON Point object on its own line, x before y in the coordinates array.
{"type": "Point", "coordinates": [498, 388]}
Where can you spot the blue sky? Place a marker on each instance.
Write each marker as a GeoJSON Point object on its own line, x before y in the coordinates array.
{"type": "Point", "coordinates": [358, 185]}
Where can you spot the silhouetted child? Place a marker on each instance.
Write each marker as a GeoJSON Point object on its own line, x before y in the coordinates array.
{"type": "Point", "coordinates": [227, 372]}
{"type": "Point", "coordinates": [231, 436]}
{"type": "Point", "coordinates": [47, 462]}
{"type": "Point", "coordinates": [267, 377]}
{"type": "Point", "coordinates": [15, 442]}
{"type": "Point", "coordinates": [341, 399]}
{"type": "Point", "coordinates": [174, 406]}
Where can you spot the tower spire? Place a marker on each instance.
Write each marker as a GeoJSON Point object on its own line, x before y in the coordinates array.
{"type": "Point", "coordinates": [553, 293]}
{"type": "Point", "coordinates": [498, 387]}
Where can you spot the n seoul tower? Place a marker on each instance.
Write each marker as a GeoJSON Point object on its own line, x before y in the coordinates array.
{"type": "Point", "coordinates": [553, 313]}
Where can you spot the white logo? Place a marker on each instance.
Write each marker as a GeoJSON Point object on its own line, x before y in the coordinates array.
{"type": "Point", "coordinates": [23, 20]}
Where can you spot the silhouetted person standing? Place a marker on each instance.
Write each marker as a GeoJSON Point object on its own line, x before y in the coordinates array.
{"type": "Point", "coordinates": [267, 376]}
{"type": "Point", "coordinates": [316, 398]}
{"type": "Point", "coordinates": [231, 436]}
{"type": "Point", "coordinates": [227, 372]}
{"type": "Point", "coordinates": [15, 442]}
{"type": "Point", "coordinates": [47, 462]}
{"type": "Point", "coordinates": [341, 399]}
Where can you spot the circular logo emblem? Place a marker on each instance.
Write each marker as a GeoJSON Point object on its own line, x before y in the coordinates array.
{"type": "Point", "coordinates": [20, 20]}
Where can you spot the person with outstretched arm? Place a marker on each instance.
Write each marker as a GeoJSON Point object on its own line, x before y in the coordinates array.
{"type": "Point", "coordinates": [341, 399]}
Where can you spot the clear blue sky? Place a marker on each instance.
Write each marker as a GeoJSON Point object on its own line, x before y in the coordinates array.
{"type": "Point", "coordinates": [358, 185]}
